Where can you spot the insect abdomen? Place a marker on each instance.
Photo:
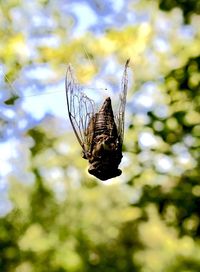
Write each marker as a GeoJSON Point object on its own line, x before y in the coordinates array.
{"type": "Point", "coordinates": [104, 120]}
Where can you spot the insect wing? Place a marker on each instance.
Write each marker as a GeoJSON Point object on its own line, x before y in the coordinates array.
{"type": "Point", "coordinates": [80, 109]}
{"type": "Point", "coordinates": [122, 104]}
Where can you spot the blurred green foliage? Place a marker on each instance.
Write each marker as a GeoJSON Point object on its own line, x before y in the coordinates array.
{"type": "Point", "coordinates": [188, 7]}
{"type": "Point", "coordinates": [62, 219]}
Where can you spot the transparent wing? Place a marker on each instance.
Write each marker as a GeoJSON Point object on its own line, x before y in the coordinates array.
{"type": "Point", "coordinates": [122, 103]}
{"type": "Point", "coordinates": [80, 109]}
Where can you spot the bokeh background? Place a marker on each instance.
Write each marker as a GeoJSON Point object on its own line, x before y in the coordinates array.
{"type": "Point", "coordinates": [53, 215]}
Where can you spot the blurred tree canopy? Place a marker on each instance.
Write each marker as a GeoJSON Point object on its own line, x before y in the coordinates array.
{"type": "Point", "coordinates": [54, 216]}
{"type": "Point", "coordinates": [188, 7]}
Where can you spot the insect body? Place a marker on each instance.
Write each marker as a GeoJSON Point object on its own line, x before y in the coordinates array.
{"type": "Point", "coordinates": [100, 133]}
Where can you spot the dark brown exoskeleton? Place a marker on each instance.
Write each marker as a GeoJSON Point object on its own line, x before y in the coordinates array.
{"type": "Point", "coordinates": [100, 133]}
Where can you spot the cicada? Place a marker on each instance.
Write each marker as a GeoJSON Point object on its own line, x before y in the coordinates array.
{"type": "Point", "coordinates": [100, 132]}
